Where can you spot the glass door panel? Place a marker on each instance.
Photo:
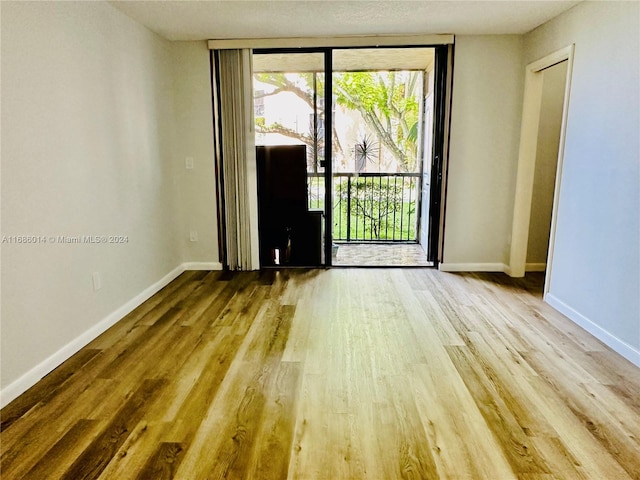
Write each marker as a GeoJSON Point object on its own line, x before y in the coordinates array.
{"type": "Point", "coordinates": [366, 148]}
{"type": "Point", "coordinates": [377, 154]}
{"type": "Point", "coordinates": [289, 111]}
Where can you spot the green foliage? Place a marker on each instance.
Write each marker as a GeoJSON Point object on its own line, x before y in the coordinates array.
{"type": "Point", "coordinates": [387, 101]}
{"type": "Point", "coordinates": [366, 149]}
{"type": "Point", "coordinates": [412, 134]}
{"type": "Point", "coordinates": [369, 219]}
{"type": "Point", "coordinates": [378, 209]}
{"type": "Point", "coordinates": [389, 105]}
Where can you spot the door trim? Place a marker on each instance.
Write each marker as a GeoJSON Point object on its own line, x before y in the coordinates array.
{"type": "Point", "coordinates": [333, 42]}
{"type": "Point", "coordinates": [440, 143]}
{"type": "Point", "coordinates": [527, 158]}
{"type": "Point", "coordinates": [440, 147]}
{"type": "Point", "coordinates": [328, 156]}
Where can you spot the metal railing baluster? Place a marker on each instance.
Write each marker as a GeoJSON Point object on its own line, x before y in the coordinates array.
{"type": "Point", "coordinates": [380, 201]}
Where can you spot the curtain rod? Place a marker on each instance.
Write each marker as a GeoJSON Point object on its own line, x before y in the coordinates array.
{"type": "Point", "coordinates": [339, 41]}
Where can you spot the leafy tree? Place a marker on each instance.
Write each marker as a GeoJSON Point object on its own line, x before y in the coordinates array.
{"type": "Point", "coordinates": [379, 207]}
{"type": "Point", "coordinates": [386, 101]}
{"type": "Point", "coordinates": [304, 89]}
{"type": "Point", "coordinates": [388, 105]}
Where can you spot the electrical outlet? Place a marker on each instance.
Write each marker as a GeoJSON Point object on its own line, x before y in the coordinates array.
{"type": "Point", "coordinates": [188, 162]}
{"type": "Point", "coordinates": [193, 236]}
{"type": "Point", "coordinates": [97, 281]}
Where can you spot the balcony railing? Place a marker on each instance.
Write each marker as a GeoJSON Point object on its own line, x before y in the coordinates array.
{"type": "Point", "coordinates": [370, 207]}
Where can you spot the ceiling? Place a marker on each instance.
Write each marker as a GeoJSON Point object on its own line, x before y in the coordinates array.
{"type": "Point", "coordinates": [234, 19]}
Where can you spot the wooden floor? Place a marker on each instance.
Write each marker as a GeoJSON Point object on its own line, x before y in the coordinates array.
{"type": "Point", "coordinates": [334, 374]}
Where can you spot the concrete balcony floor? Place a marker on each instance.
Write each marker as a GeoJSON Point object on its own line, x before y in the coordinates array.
{"type": "Point", "coordinates": [380, 255]}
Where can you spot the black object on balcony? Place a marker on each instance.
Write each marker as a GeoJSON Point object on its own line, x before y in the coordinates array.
{"type": "Point", "coordinates": [289, 233]}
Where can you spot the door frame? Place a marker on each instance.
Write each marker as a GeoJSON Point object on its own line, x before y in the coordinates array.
{"type": "Point", "coordinates": [527, 158]}
{"type": "Point", "coordinates": [426, 148]}
{"type": "Point", "coordinates": [328, 122]}
{"type": "Point", "coordinates": [443, 54]}
{"type": "Point", "coordinates": [440, 151]}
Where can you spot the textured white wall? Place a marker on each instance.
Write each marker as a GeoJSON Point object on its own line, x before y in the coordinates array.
{"type": "Point", "coordinates": [596, 267]}
{"type": "Point", "coordinates": [194, 138]}
{"type": "Point", "coordinates": [485, 128]}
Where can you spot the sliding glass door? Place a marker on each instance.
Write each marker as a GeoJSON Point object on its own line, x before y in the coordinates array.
{"type": "Point", "coordinates": [290, 113]}
{"type": "Point", "coordinates": [365, 119]}
{"type": "Point", "coordinates": [379, 156]}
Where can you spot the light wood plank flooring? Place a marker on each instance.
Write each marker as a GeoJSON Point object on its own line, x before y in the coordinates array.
{"type": "Point", "coordinates": [334, 374]}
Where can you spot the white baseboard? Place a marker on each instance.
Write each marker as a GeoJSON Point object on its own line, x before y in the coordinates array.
{"type": "Point", "coordinates": [202, 266]}
{"type": "Point", "coordinates": [535, 267]}
{"type": "Point", "coordinates": [619, 346]}
{"type": "Point", "coordinates": [488, 267]}
{"type": "Point", "coordinates": [472, 267]}
{"type": "Point", "coordinates": [26, 381]}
